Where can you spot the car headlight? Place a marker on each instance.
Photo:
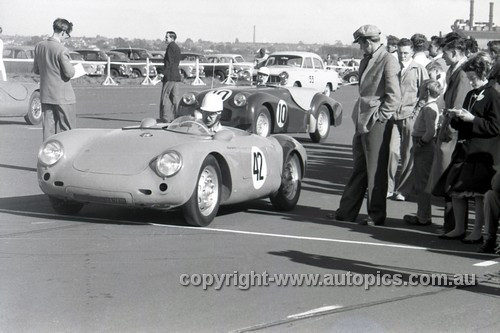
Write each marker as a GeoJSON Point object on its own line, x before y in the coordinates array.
{"type": "Point", "coordinates": [240, 100]}
{"type": "Point", "coordinates": [189, 99]}
{"type": "Point", "coordinates": [50, 153]}
{"type": "Point", "coordinates": [169, 163]}
{"type": "Point", "coordinates": [283, 78]}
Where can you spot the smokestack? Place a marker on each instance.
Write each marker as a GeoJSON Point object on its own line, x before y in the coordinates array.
{"type": "Point", "coordinates": [491, 16]}
{"type": "Point", "coordinates": [254, 34]}
{"type": "Point", "coordinates": [471, 15]}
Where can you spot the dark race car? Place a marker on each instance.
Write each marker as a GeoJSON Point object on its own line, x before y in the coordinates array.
{"type": "Point", "coordinates": [269, 109]}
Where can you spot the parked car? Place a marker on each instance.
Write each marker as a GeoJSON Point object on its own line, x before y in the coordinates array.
{"type": "Point", "coordinates": [94, 55]}
{"type": "Point", "coordinates": [301, 69]}
{"type": "Point", "coordinates": [21, 99]}
{"type": "Point", "coordinates": [119, 64]}
{"type": "Point", "coordinates": [272, 109]}
{"type": "Point", "coordinates": [18, 59]}
{"type": "Point", "coordinates": [138, 58]}
{"type": "Point", "coordinates": [90, 69]}
{"type": "Point", "coordinates": [179, 165]}
{"type": "Point", "coordinates": [187, 65]}
{"type": "Point", "coordinates": [219, 66]}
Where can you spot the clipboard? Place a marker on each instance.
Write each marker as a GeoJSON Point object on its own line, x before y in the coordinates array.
{"type": "Point", "coordinates": [79, 71]}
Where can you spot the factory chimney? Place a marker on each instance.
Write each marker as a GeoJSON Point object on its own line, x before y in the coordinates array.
{"type": "Point", "coordinates": [471, 15]}
{"type": "Point", "coordinates": [490, 24]}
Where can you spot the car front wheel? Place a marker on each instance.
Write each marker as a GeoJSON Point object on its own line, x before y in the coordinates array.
{"type": "Point", "coordinates": [322, 125]}
{"type": "Point", "coordinates": [289, 192]}
{"type": "Point", "coordinates": [327, 90]}
{"type": "Point", "coordinates": [34, 115]}
{"type": "Point", "coordinates": [65, 207]}
{"type": "Point", "coordinates": [262, 124]}
{"type": "Point", "coordinates": [202, 207]}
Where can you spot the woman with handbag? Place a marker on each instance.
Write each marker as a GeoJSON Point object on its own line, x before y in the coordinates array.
{"type": "Point", "coordinates": [471, 169]}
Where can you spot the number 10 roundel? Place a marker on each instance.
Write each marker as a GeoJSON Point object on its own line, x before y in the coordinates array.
{"type": "Point", "coordinates": [259, 168]}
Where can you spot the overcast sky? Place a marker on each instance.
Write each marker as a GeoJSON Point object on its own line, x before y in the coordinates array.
{"type": "Point", "coordinates": [309, 21]}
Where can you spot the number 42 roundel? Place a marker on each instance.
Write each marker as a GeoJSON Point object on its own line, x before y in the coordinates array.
{"type": "Point", "coordinates": [259, 168]}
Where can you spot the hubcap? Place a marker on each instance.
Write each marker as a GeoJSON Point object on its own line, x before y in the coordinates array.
{"type": "Point", "coordinates": [36, 108]}
{"type": "Point", "coordinates": [208, 191]}
{"type": "Point", "coordinates": [323, 123]}
{"type": "Point", "coordinates": [262, 125]}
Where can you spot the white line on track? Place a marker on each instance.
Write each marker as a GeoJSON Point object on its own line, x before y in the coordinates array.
{"type": "Point", "coordinates": [486, 263]}
{"type": "Point", "coordinates": [314, 311]}
{"type": "Point", "coordinates": [320, 239]}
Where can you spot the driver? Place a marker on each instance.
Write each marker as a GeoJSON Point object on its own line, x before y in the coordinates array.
{"type": "Point", "coordinates": [211, 111]}
{"type": "Point", "coordinates": [262, 76]}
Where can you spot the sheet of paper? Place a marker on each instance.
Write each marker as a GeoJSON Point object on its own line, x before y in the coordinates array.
{"type": "Point", "coordinates": [79, 70]}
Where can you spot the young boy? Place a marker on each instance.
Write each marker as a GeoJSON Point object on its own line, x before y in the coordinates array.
{"type": "Point", "coordinates": [423, 134]}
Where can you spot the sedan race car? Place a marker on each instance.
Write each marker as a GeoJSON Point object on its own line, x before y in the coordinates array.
{"type": "Point", "coordinates": [181, 164]}
{"type": "Point", "coordinates": [21, 99]}
{"type": "Point", "coordinates": [269, 109]}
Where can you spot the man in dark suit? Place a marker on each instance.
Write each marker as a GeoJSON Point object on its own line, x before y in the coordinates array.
{"type": "Point", "coordinates": [457, 87]}
{"type": "Point", "coordinates": [171, 79]}
{"type": "Point", "coordinates": [379, 98]}
{"type": "Point", "coordinates": [52, 63]}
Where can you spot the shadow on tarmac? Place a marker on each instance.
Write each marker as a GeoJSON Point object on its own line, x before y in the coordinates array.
{"type": "Point", "coordinates": [377, 271]}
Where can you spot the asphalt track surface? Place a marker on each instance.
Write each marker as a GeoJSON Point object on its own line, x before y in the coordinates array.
{"type": "Point", "coordinates": [118, 270]}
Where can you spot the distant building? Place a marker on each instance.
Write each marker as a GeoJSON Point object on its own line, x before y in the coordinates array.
{"type": "Point", "coordinates": [482, 32]}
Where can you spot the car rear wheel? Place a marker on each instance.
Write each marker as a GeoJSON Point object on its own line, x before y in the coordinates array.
{"type": "Point", "coordinates": [136, 73]}
{"type": "Point", "coordinates": [114, 72]}
{"type": "Point", "coordinates": [262, 124]}
{"type": "Point", "coordinates": [65, 207]}
{"type": "Point", "coordinates": [352, 79]}
{"type": "Point", "coordinates": [220, 75]}
{"type": "Point", "coordinates": [289, 192]}
{"type": "Point", "coordinates": [202, 207]}
{"type": "Point", "coordinates": [34, 115]}
{"type": "Point", "coordinates": [322, 125]}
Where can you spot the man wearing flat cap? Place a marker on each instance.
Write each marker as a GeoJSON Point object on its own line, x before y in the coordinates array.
{"type": "Point", "coordinates": [379, 98]}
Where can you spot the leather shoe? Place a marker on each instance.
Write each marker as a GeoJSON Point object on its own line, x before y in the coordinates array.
{"type": "Point", "coordinates": [487, 247]}
{"type": "Point", "coordinates": [444, 236]}
{"type": "Point", "coordinates": [334, 216]}
{"type": "Point", "coordinates": [473, 241]}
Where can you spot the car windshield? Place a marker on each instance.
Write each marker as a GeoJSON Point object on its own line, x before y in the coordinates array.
{"type": "Point", "coordinates": [118, 56]}
{"type": "Point", "coordinates": [284, 60]}
{"type": "Point", "coordinates": [239, 59]}
{"type": "Point", "coordinates": [76, 56]}
{"type": "Point", "coordinates": [189, 125]}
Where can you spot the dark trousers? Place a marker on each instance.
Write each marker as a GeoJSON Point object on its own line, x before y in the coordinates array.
{"type": "Point", "coordinates": [169, 100]}
{"type": "Point", "coordinates": [491, 214]}
{"type": "Point", "coordinates": [371, 159]}
{"type": "Point", "coordinates": [57, 118]}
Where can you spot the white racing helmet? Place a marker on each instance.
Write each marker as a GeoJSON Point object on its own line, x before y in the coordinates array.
{"type": "Point", "coordinates": [212, 103]}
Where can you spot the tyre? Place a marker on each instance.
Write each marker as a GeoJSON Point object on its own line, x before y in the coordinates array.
{"type": "Point", "coordinates": [65, 207]}
{"type": "Point", "coordinates": [322, 125]}
{"type": "Point", "coordinates": [328, 90]}
{"type": "Point", "coordinates": [34, 115]}
{"type": "Point", "coordinates": [289, 192]}
{"type": "Point", "coordinates": [114, 73]}
{"type": "Point", "coordinates": [262, 124]}
{"type": "Point", "coordinates": [352, 79]}
{"type": "Point", "coordinates": [136, 73]}
{"type": "Point", "coordinates": [220, 75]}
{"type": "Point", "coordinates": [297, 84]}
{"type": "Point", "coordinates": [202, 207]}
{"type": "Point", "coordinates": [183, 74]}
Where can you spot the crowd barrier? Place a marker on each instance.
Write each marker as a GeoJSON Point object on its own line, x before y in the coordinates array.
{"type": "Point", "coordinates": [109, 81]}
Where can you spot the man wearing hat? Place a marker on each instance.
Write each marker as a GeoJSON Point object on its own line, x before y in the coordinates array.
{"type": "Point", "coordinates": [379, 98]}
{"type": "Point", "coordinates": [211, 111]}
{"type": "Point", "coordinates": [262, 76]}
